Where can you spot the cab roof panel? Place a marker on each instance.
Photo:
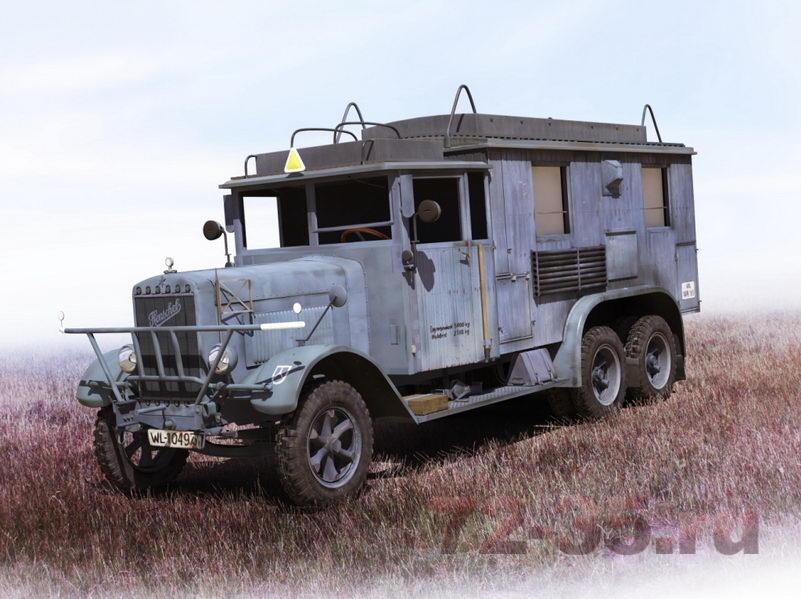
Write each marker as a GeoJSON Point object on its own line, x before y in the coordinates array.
{"type": "Point", "coordinates": [426, 140]}
{"type": "Point", "coordinates": [489, 126]}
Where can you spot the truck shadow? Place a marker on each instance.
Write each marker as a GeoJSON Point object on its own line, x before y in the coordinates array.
{"type": "Point", "coordinates": [406, 447]}
{"type": "Point", "coordinates": [401, 448]}
{"type": "Point", "coordinates": [215, 477]}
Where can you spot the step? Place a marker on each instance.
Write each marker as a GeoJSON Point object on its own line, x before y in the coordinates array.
{"type": "Point", "coordinates": [476, 401]}
{"type": "Point", "coordinates": [423, 404]}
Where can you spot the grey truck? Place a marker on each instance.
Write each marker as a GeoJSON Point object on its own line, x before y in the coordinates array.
{"type": "Point", "coordinates": [411, 270]}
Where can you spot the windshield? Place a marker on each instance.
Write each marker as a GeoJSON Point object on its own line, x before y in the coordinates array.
{"type": "Point", "coordinates": [347, 211]}
{"type": "Point", "coordinates": [275, 218]}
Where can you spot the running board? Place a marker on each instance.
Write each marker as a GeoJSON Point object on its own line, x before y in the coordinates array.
{"type": "Point", "coordinates": [484, 399]}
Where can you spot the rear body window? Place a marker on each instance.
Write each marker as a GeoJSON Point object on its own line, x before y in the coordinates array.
{"type": "Point", "coordinates": [551, 216]}
{"type": "Point", "coordinates": [655, 197]}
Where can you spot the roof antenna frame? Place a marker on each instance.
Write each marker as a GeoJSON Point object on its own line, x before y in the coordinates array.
{"type": "Point", "coordinates": [462, 87]}
{"type": "Point", "coordinates": [648, 108]}
{"type": "Point", "coordinates": [247, 159]}
{"type": "Point", "coordinates": [304, 129]}
{"type": "Point", "coordinates": [338, 134]}
{"type": "Point", "coordinates": [363, 123]}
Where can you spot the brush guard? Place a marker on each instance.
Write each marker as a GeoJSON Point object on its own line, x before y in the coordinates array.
{"type": "Point", "coordinates": [139, 375]}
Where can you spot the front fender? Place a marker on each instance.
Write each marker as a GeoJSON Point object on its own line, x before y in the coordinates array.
{"type": "Point", "coordinates": [286, 373]}
{"type": "Point", "coordinates": [93, 388]}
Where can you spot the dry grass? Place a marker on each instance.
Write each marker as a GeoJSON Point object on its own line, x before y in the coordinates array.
{"type": "Point", "coordinates": [726, 442]}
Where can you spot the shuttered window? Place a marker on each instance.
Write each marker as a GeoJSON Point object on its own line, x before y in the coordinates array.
{"type": "Point", "coordinates": [550, 200]}
{"type": "Point", "coordinates": [655, 197]}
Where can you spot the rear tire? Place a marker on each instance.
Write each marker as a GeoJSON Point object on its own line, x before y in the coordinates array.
{"type": "Point", "coordinates": [652, 344]}
{"type": "Point", "coordinates": [324, 451]}
{"type": "Point", "coordinates": [127, 460]}
{"type": "Point", "coordinates": [603, 378]}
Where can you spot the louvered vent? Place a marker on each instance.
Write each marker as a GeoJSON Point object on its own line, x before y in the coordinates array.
{"type": "Point", "coordinates": [566, 271]}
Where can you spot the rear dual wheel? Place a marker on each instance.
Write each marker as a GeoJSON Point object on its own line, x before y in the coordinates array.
{"type": "Point", "coordinates": [603, 378]}
{"type": "Point", "coordinates": [603, 373]}
{"type": "Point", "coordinates": [652, 345]}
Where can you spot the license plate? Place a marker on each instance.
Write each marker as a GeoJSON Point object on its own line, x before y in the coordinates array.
{"type": "Point", "coordinates": [176, 439]}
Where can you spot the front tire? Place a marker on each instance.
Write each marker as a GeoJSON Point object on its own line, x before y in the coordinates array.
{"type": "Point", "coordinates": [128, 461]}
{"type": "Point", "coordinates": [324, 451]}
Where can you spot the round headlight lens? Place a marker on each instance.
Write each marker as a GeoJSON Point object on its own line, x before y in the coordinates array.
{"type": "Point", "coordinates": [227, 361]}
{"type": "Point", "coordinates": [127, 359]}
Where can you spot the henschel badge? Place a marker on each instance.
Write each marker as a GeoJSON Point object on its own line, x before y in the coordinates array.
{"type": "Point", "coordinates": [157, 318]}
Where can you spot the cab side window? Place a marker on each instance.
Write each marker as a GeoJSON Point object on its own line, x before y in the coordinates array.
{"type": "Point", "coordinates": [478, 205]}
{"type": "Point", "coordinates": [444, 191]}
{"type": "Point", "coordinates": [352, 211]}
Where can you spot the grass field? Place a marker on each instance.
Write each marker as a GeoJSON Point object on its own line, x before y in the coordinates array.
{"type": "Point", "coordinates": [483, 497]}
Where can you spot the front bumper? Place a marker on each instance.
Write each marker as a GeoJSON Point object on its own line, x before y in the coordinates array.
{"type": "Point", "coordinates": [105, 384]}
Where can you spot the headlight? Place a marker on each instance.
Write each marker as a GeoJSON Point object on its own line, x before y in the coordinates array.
{"type": "Point", "coordinates": [227, 361]}
{"type": "Point", "coordinates": [127, 359]}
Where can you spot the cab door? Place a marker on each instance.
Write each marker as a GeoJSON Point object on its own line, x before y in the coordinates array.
{"type": "Point", "coordinates": [456, 308]}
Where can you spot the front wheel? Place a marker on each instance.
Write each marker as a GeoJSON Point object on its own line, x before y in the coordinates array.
{"type": "Point", "coordinates": [128, 461]}
{"type": "Point", "coordinates": [324, 451]}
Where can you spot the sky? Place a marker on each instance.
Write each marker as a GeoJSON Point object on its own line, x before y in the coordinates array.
{"type": "Point", "coordinates": [118, 121]}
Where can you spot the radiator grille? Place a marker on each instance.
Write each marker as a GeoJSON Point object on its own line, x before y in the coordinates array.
{"type": "Point", "coordinates": [569, 271]}
{"type": "Point", "coordinates": [168, 310]}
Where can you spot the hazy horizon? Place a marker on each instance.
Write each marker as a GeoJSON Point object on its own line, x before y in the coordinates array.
{"type": "Point", "coordinates": [117, 125]}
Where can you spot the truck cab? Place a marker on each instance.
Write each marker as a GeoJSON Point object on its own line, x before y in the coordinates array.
{"type": "Point", "coordinates": [419, 269]}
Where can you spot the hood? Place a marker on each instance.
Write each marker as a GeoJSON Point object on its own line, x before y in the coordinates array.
{"type": "Point", "coordinates": [258, 294]}
{"type": "Point", "coordinates": [306, 275]}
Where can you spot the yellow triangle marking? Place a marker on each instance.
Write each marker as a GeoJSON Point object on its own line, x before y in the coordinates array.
{"type": "Point", "coordinates": [294, 163]}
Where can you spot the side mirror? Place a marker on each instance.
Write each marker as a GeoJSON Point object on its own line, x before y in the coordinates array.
{"type": "Point", "coordinates": [212, 230]}
{"type": "Point", "coordinates": [338, 296]}
{"type": "Point", "coordinates": [429, 211]}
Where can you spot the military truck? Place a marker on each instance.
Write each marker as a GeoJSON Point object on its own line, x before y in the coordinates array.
{"type": "Point", "coordinates": [421, 268]}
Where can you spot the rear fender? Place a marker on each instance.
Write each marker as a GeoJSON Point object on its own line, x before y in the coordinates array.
{"type": "Point", "coordinates": [567, 362]}
{"type": "Point", "coordinates": [286, 374]}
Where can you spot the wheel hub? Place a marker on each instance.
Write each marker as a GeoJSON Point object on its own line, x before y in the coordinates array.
{"type": "Point", "coordinates": [657, 361]}
{"type": "Point", "coordinates": [600, 379]}
{"type": "Point", "coordinates": [606, 375]}
{"type": "Point", "coordinates": [652, 363]}
{"type": "Point", "coordinates": [334, 447]}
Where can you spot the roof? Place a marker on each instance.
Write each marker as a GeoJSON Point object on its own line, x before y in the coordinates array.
{"type": "Point", "coordinates": [436, 142]}
{"type": "Point", "coordinates": [467, 127]}
{"type": "Point", "coordinates": [356, 170]}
